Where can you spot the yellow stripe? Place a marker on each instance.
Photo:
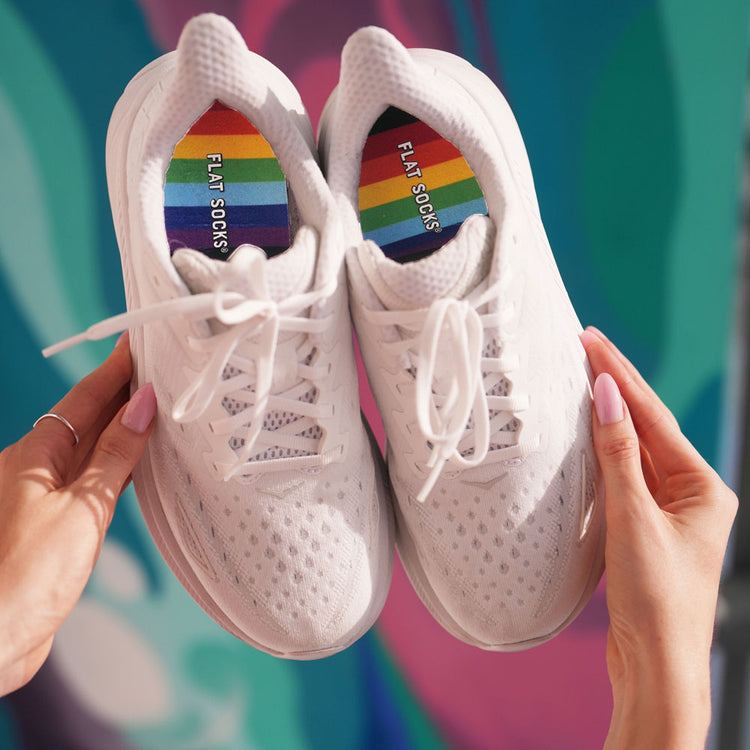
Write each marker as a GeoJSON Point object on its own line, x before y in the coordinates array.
{"type": "Point", "coordinates": [229, 146]}
{"type": "Point", "coordinates": [395, 188]}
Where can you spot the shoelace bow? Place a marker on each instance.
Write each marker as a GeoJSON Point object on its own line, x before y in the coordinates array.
{"type": "Point", "coordinates": [255, 323]}
{"type": "Point", "coordinates": [446, 403]}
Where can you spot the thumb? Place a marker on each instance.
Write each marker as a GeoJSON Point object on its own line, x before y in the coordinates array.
{"type": "Point", "coordinates": [616, 442]}
{"type": "Point", "coordinates": [119, 448]}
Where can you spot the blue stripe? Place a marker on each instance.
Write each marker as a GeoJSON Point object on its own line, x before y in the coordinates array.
{"type": "Point", "coordinates": [234, 194]}
{"type": "Point", "coordinates": [414, 228]}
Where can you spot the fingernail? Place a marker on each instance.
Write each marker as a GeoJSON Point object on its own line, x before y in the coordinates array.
{"type": "Point", "coordinates": [596, 332]}
{"type": "Point", "coordinates": [607, 400]}
{"type": "Point", "coordinates": [140, 409]}
{"type": "Point", "coordinates": [124, 338]}
{"type": "Point", "coordinates": [587, 338]}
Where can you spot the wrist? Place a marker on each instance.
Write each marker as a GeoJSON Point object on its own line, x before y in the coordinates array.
{"type": "Point", "coordinates": [10, 648]}
{"type": "Point", "coordinates": [662, 703]}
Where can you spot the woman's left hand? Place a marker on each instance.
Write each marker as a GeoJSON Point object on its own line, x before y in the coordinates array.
{"type": "Point", "coordinates": [56, 503]}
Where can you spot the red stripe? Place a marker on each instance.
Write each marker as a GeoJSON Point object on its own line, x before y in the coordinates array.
{"type": "Point", "coordinates": [221, 120]}
{"type": "Point", "coordinates": [383, 143]}
{"type": "Point", "coordinates": [425, 154]}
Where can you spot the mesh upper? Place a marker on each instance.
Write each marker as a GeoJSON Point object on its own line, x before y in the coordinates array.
{"type": "Point", "coordinates": [293, 560]}
{"type": "Point", "coordinates": [495, 551]}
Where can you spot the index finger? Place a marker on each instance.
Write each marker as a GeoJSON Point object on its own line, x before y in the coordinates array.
{"type": "Point", "coordinates": [84, 404]}
{"type": "Point", "coordinates": [630, 368]}
{"type": "Point", "coordinates": [655, 425]}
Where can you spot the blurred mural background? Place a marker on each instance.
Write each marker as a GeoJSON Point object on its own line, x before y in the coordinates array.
{"type": "Point", "coordinates": [633, 114]}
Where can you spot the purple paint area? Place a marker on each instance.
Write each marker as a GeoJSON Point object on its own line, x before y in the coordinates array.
{"type": "Point", "coordinates": [555, 695]}
{"type": "Point", "coordinates": [67, 723]}
{"type": "Point", "coordinates": [290, 45]}
{"type": "Point", "coordinates": [166, 19]}
{"type": "Point", "coordinates": [304, 39]}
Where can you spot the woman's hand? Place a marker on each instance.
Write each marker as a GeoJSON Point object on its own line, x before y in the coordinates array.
{"type": "Point", "coordinates": [56, 503]}
{"type": "Point", "coordinates": [668, 521]}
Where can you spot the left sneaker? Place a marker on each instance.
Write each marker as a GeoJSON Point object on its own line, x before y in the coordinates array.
{"type": "Point", "coordinates": [469, 341]}
{"type": "Point", "coordinates": [259, 485]}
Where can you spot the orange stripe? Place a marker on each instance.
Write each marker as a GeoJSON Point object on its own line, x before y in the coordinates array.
{"type": "Point", "coordinates": [386, 191]}
{"type": "Point", "coordinates": [230, 146]}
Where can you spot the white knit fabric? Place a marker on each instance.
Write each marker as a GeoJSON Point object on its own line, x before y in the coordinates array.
{"type": "Point", "coordinates": [291, 550]}
{"type": "Point", "coordinates": [506, 544]}
{"type": "Point", "coordinates": [453, 271]}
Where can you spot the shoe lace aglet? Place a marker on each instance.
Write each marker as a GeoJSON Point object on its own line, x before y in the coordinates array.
{"type": "Point", "coordinates": [60, 346]}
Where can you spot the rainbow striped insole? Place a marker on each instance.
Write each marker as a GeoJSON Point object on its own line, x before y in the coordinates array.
{"type": "Point", "coordinates": [415, 188]}
{"type": "Point", "coordinates": [224, 188]}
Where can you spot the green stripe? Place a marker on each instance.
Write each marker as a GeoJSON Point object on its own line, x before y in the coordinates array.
{"type": "Point", "coordinates": [232, 170]}
{"type": "Point", "coordinates": [406, 208]}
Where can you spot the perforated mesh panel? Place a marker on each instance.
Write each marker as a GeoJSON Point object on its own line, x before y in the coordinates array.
{"type": "Point", "coordinates": [272, 420]}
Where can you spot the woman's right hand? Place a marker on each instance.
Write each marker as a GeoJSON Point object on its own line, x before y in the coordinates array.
{"type": "Point", "coordinates": [668, 521]}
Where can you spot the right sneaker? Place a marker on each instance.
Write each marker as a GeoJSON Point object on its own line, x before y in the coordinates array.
{"type": "Point", "coordinates": [470, 344]}
{"type": "Point", "coordinates": [259, 485]}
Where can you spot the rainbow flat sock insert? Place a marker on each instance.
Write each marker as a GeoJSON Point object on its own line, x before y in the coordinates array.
{"type": "Point", "coordinates": [225, 188]}
{"type": "Point", "coordinates": [415, 188]}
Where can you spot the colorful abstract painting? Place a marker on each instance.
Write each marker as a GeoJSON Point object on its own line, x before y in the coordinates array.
{"type": "Point", "coordinates": [633, 115]}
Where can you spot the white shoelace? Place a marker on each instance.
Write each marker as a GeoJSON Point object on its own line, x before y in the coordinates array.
{"type": "Point", "coordinates": [443, 416]}
{"type": "Point", "coordinates": [255, 323]}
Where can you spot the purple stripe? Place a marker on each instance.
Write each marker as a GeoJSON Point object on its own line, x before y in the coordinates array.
{"type": "Point", "coordinates": [199, 217]}
{"type": "Point", "coordinates": [413, 248]}
{"type": "Point", "coordinates": [201, 239]}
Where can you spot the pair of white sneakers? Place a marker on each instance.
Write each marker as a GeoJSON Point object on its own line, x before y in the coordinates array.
{"type": "Point", "coordinates": [261, 485]}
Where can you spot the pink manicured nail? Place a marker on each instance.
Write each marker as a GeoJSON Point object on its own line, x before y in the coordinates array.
{"type": "Point", "coordinates": [124, 337]}
{"type": "Point", "coordinates": [607, 400]}
{"type": "Point", "coordinates": [587, 338]}
{"type": "Point", "coordinates": [140, 409]}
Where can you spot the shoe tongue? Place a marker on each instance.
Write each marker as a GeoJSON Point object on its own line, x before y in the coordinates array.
{"type": "Point", "coordinates": [452, 271]}
{"type": "Point", "coordinates": [283, 275]}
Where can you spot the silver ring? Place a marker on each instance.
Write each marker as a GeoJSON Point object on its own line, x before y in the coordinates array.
{"type": "Point", "coordinates": [59, 418]}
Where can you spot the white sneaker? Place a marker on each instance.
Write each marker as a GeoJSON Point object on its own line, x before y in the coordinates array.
{"type": "Point", "coordinates": [470, 343]}
{"type": "Point", "coordinates": [259, 484]}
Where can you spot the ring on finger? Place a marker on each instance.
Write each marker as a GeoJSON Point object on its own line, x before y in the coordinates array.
{"type": "Point", "coordinates": [59, 418]}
